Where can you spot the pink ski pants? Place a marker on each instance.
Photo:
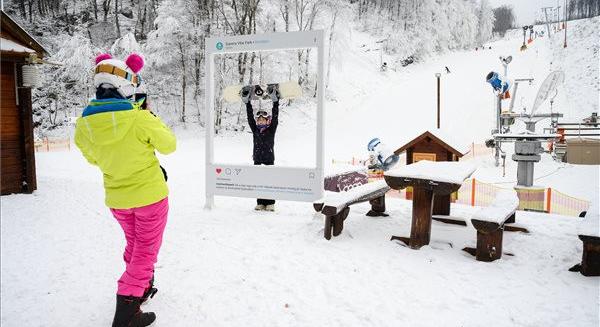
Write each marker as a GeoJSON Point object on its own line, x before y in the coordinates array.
{"type": "Point", "coordinates": [143, 229]}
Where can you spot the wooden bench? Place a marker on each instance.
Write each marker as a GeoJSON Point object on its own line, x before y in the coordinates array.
{"type": "Point", "coordinates": [589, 233]}
{"type": "Point", "coordinates": [336, 206]}
{"type": "Point", "coordinates": [489, 223]}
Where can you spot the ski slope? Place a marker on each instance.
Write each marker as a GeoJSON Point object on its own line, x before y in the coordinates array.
{"type": "Point", "coordinates": [404, 104]}
{"type": "Point", "coordinates": [60, 248]}
{"type": "Point", "coordinates": [396, 105]}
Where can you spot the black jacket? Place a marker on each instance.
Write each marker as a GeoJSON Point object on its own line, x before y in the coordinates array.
{"type": "Point", "coordinates": [263, 141]}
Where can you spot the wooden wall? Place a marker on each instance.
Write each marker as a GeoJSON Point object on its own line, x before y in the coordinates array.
{"type": "Point", "coordinates": [429, 146]}
{"type": "Point", "coordinates": [17, 161]}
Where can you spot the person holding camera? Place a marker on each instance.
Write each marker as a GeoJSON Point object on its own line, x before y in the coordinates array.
{"type": "Point", "coordinates": [116, 134]}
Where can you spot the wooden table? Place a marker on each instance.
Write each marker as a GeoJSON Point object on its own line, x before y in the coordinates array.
{"type": "Point", "coordinates": [428, 179]}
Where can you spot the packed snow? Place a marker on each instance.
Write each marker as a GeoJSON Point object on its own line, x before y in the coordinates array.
{"type": "Point", "coordinates": [591, 223]}
{"type": "Point", "coordinates": [446, 137]}
{"type": "Point", "coordinates": [340, 199]}
{"type": "Point", "coordinates": [232, 266]}
{"type": "Point", "coordinates": [12, 46]}
{"type": "Point", "coordinates": [453, 172]}
{"type": "Point", "coordinates": [504, 204]}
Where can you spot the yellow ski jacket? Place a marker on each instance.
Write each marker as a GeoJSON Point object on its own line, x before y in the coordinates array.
{"type": "Point", "coordinates": [120, 139]}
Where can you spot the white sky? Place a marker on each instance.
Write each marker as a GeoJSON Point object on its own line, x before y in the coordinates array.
{"type": "Point", "coordinates": [528, 10]}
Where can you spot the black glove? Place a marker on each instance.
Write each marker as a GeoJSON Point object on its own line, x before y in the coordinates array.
{"type": "Point", "coordinates": [246, 93]}
{"type": "Point", "coordinates": [164, 173]}
{"type": "Point", "coordinates": [139, 96]}
{"type": "Point", "coordinates": [273, 92]}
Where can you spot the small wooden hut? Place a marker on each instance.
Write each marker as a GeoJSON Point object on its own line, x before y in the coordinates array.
{"type": "Point", "coordinates": [432, 145]}
{"type": "Point", "coordinates": [17, 156]}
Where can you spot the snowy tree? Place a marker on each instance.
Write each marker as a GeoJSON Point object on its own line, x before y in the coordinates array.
{"type": "Point", "coordinates": [504, 19]}
{"type": "Point", "coordinates": [169, 50]}
{"type": "Point", "coordinates": [427, 25]}
{"type": "Point", "coordinates": [305, 13]}
{"type": "Point", "coordinates": [67, 87]}
{"type": "Point", "coordinates": [124, 46]}
{"type": "Point", "coordinates": [583, 9]}
{"type": "Point", "coordinates": [485, 27]}
{"type": "Point", "coordinates": [240, 19]}
{"type": "Point", "coordinates": [170, 35]}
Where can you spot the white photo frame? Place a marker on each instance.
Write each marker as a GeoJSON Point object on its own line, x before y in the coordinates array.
{"type": "Point", "coordinates": [269, 182]}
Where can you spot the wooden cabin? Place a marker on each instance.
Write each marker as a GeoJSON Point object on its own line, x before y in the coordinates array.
{"type": "Point", "coordinates": [17, 155]}
{"type": "Point", "coordinates": [433, 145]}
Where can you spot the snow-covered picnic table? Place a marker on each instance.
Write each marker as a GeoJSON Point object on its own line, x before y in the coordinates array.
{"type": "Point", "coordinates": [336, 205]}
{"type": "Point", "coordinates": [428, 178]}
{"type": "Point", "coordinates": [589, 234]}
{"type": "Point", "coordinates": [489, 222]}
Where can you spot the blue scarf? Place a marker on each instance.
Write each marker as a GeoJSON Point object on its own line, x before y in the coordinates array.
{"type": "Point", "coordinates": [97, 106]}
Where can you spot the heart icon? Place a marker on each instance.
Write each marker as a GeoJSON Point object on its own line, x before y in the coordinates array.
{"type": "Point", "coordinates": [219, 170]}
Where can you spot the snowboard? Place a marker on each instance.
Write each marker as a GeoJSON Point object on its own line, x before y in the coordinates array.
{"type": "Point", "coordinates": [287, 90]}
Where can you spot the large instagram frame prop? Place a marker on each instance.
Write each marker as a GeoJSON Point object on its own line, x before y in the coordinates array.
{"type": "Point", "coordinates": [267, 182]}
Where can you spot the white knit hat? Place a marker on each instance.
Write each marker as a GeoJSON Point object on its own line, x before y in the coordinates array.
{"type": "Point", "coordinates": [120, 74]}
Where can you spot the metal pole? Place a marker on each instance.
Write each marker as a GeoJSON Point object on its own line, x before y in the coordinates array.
{"type": "Point", "coordinates": [557, 15]}
{"type": "Point", "coordinates": [498, 114]}
{"type": "Point", "coordinates": [209, 125]}
{"type": "Point", "coordinates": [565, 12]}
{"type": "Point", "coordinates": [545, 9]}
{"type": "Point", "coordinates": [438, 75]}
{"type": "Point", "coordinates": [514, 95]}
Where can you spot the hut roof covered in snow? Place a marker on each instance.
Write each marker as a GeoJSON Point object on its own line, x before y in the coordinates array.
{"type": "Point", "coordinates": [440, 137]}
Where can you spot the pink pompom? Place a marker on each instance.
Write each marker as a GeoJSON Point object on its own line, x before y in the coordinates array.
{"type": "Point", "coordinates": [102, 56]}
{"type": "Point", "coordinates": [135, 62]}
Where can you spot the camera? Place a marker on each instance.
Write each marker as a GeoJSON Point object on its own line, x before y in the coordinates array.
{"type": "Point", "coordinates": [140, 96]}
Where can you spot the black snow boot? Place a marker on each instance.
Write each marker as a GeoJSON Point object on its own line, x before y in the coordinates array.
{"type": "Point", "coordinates": [149, 292]}
{"type": "Point", "coordinates": [129, 314]}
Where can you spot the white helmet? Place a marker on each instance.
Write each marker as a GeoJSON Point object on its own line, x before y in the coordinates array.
{"type": "Point", "coordinates": [123, 75]}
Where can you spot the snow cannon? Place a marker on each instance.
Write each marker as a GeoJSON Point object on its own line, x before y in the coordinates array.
{"type": "Point", "coordinates": [373, 143]}
{"type": "Point", "coordinates": [500, 86]}
{"type": "Point", "coordinates": [381, 157]}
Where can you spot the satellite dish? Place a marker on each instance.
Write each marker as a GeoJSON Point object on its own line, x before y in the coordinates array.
{"type": "Point", "coordinates": [547, 88]}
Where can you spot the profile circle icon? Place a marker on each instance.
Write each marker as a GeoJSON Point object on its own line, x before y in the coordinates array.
{"type": "Point", "coordinates": [219, 46]}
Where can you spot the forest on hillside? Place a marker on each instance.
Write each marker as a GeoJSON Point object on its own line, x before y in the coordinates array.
{"type": "Point", "coordinates": [170, 34]}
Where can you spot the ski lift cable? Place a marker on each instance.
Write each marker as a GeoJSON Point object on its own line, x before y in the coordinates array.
{"type": "Point", "coordinates": [535, 179]}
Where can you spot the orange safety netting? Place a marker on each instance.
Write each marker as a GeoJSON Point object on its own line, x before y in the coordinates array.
{"type": "Point", "coordinates": [563, 204]}
{"type": "Point", "coordinates": [477, 193]}
{"type": "Point", "coordinates": [47, 145]}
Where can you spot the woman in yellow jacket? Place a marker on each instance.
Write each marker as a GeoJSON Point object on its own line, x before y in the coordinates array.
{"type": "Point", "coordinates": [117, 135]}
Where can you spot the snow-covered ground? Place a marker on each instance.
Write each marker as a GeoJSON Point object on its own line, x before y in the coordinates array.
{"type": "Point", "coordinates": [60, 247]}
{"type": "Point", "coordinates": [232, 266]}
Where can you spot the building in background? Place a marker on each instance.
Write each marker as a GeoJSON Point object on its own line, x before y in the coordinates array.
{"type": "Point", "coordinates": [19, 52]}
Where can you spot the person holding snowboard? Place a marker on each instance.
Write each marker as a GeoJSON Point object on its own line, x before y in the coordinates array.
{"type": "Point", "coordinates": [118, 136]}
{"type": "Point", "coordinates": [263, 127]}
